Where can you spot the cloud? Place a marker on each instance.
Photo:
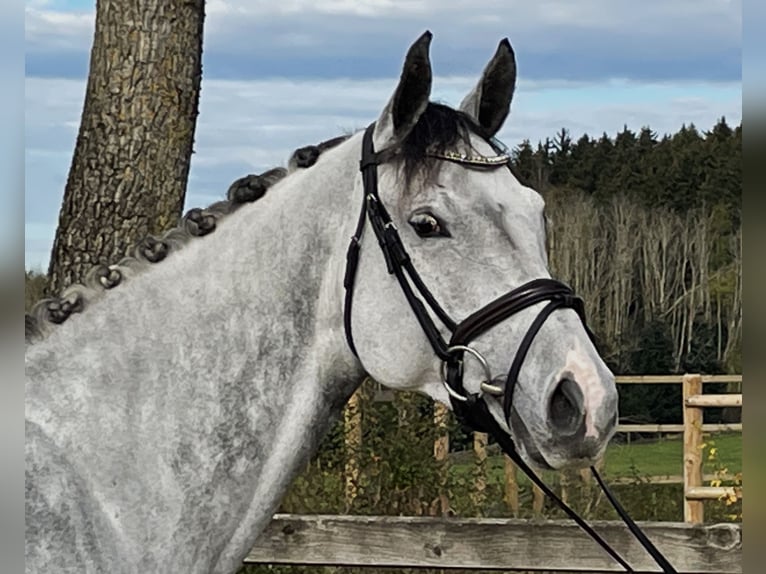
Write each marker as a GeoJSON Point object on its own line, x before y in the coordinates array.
{"type": "Point", "coordinates": [589, 39]}
{"type": "Point", "coordinates": [250, 126]}
{"type": "Point", "coordinates": [49, 30]}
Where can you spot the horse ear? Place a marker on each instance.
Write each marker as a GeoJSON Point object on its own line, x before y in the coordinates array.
{"type": "Point", "coordinates": [410, 97]}
{"type": "Point", "coordinates": [490, 101]}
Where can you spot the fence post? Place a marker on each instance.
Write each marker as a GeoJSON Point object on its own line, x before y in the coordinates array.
{"type": "Point", "coordinates": [352, 433]}
{"type": "Point", "coordinates": [440, 506]}
{"type": "Point", "coordinates": [693, 417]}
{"type": "Point", "coordinates": [511, 486]}
{"type": "Point", "coordinates": [586, 479]}
{"type": "Point", "coordinates": [479, 494]}
{"type": "Point", "coordinates": [565, 479]}
{"type": "Point", "coordinates": [538, 498]}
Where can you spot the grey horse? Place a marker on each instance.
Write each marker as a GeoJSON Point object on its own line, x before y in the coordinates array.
{"type": "Point", "coordinates": [166, 419]}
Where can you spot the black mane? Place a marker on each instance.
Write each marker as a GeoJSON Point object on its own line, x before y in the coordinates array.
{"type": "Point", "coordinates": [439, 129]}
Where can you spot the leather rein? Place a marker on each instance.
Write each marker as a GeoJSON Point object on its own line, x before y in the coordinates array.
{"type": "Point", "coordinates": [471, 408]}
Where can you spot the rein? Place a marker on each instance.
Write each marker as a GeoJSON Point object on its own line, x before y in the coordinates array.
{"type": "Point", "coordinates": [472, 408]}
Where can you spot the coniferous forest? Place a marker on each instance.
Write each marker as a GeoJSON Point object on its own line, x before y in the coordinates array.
{"type": "Point", "coordinates": [647, 229]}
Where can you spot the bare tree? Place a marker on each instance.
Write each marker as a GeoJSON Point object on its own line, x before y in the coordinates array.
{"type": "Point", "coordinates": [131, 161]}
{"type": "Point", "coordinates": [619, 253]}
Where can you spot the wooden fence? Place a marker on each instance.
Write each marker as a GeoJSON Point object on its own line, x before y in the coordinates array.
{"type": "Point", "coordinates": [694, 401]}
{"type": "Point", "coordinates": [695, 492]}
{"type": "Point", "coordinates": [496, 543]}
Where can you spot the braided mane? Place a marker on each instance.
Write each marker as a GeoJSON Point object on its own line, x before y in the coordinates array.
{"type": "Point", "coordinates": [197, 222]}
{"type": "Point", "coordinates": [437, 129]}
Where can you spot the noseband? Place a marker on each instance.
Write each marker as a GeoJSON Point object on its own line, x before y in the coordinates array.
{"type": "Point", "coordinates": [471, 408]}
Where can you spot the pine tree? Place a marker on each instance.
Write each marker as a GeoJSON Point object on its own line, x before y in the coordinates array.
{"type": "Point", "coordinates": [582, 169]}
{"type": "Point", "coordinates": [561, 158]}
{"type": "Point", "coordinates": [523, 157]}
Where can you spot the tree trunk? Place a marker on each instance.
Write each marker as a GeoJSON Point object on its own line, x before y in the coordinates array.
{"type": "Point", "coordinates": [131, 160]}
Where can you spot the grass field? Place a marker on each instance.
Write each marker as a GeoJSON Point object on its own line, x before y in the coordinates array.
{"type": "Point", "coordinates": [659, 458]}
{"type": "Point", "coordinates": [646, 477]}
{"type": "Point", "coordinates": [664, 457]}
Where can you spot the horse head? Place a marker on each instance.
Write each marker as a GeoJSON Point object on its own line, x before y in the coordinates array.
{"type": "Point", "coordinates": [463, 306]}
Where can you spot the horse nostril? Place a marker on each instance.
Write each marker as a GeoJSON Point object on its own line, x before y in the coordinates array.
{"type": "Point", "coordinates": [567, 407]}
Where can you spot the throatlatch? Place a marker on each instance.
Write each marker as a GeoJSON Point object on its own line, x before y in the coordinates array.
{"type": "Point", "coordinates": [471, 408]}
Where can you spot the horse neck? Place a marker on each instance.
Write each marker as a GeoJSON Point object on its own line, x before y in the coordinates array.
{"type": "Point", "coordinates": [229, 354]}
{"type": "Point", "coordinates": [274, 265]}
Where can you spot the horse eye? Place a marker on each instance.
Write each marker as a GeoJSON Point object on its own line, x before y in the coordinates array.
{"type": "Point", "coordinates": [428, 225]}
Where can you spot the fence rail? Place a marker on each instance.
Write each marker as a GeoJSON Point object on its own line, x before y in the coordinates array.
{"type": "Point", "coordinates": [491, 543]}
{"type": "Point", "coordinates": [671, 428]}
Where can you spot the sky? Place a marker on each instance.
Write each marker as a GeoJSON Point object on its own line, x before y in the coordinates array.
{"type": "Point", "coordinates": [278, 75]}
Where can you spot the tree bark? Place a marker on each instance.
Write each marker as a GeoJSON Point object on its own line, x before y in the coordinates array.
{"type": "Point", "coordinates": [131, 160]}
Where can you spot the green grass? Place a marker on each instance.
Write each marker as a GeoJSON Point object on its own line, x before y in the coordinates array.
{"type": "Point", "coordinates": [633, 469]}
{"type": "Point", "coordinates": [662, 457]}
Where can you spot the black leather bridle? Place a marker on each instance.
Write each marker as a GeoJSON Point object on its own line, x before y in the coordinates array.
{"type": "Point", "coordinates": [471, 408]}
{"type": "Point", "coordinates": [558, 294]}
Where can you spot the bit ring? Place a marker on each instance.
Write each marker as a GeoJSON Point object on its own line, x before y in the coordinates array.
{"type": "Point", "coordinates": [486, 386]}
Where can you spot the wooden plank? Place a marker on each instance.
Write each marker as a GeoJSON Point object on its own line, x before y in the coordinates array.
{"type": "Point", "coordinates": [712, 492]}
{"type": "Point", "coordinates": [491, 543]}
{"type": "Point", "coordinates": [538, 501]}
{"type": "Point", "coordinates": [511, 485]}
{"type": "Point", "coordinates": [721, 427]}
{"type": "Point", "coordinates": [722, 379]}
{"type": "Point", "coordinates": [700, 401]}
{"type": "Point", "coordinates": [352, 436]}
{"type": "Point", "coordinates": [650, 428]}
{"type": "Point", "coordinates": [668, 379]}
{"type": "Point", "coordinates": [479, 491]}
{"type": "Point", "coordinates": [693, 509]}
{"type": "Point", "coordinates": [666, 479]}
{"type": "Point", "coordinates": [670, 428]}
{"type": "Point", "coordinates": [440, 506]}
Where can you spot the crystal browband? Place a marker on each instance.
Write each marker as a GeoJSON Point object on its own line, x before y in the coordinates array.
{"type": "Point", "coordinates": [473, 159]}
